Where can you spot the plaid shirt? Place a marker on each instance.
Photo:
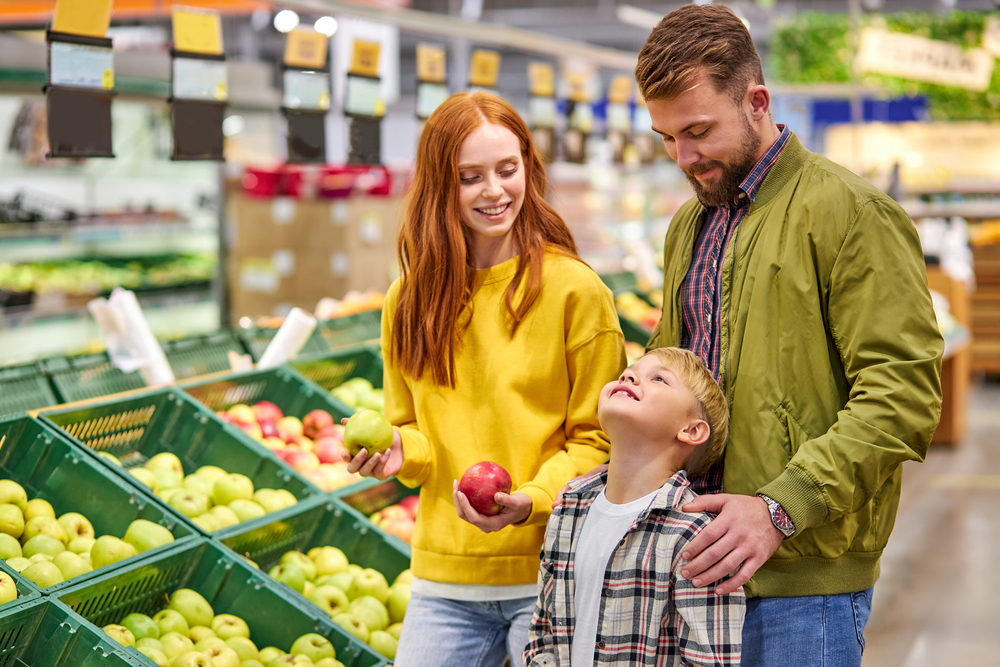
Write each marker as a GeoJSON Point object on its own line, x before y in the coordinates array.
{"type": "Point", "coordinates": [650, 614]}
{"type": "Point", "coordinates": [701, 299]}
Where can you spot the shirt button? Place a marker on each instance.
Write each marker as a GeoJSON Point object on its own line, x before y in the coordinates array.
{"type": "Point", "coordinates": [608, 592]}
{"type": "Point", "coordinates": [601, 644]}
{"type": "Point", "coordinates": [743, 195]}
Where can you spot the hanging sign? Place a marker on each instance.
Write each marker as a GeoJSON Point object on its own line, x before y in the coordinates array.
{"type": "Point", "coordinates": [620, 91]}
{"type": "Point", "coordinates": [430, 63]}
{"type": "Point", "coordinates": [484, 68]}
{"type": "Point", "coordinates": [199, 85]}
{"type": "Point", "coordinates": [306, 48]}
{"type": "Point", "coordinates": [90, 18]}
{"type": "Point", "coordinates": [197, 31]}
{"type": "Point", "coordinates": [542, 78]}
{"type": "Point", "coordinates": [365, 58]}
{"type": "Point", "coordinates": [922, 59]}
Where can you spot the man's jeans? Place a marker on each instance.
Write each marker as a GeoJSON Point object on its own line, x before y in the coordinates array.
{"type": "Point", "coordinates": [439, 632]}
{"type": "Point", "coordinates": [814, 631]}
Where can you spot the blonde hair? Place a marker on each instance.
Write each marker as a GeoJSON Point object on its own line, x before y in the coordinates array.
{"type": "Point", "coordinates": [690, 370]}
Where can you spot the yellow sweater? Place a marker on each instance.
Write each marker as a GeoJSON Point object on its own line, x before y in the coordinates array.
{"type": "Point", "coordinates": [528, 403]}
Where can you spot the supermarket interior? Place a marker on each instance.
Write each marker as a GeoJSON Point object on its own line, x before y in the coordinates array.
{"type": "Point", "coordinates": [200, 213]}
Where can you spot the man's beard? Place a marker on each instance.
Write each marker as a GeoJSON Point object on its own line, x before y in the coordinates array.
{"type": "Point", "coordinates": [731, 174]}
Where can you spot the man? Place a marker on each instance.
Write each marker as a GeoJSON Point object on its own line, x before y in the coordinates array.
{"type": "Point", "coordinates": [803, 289]}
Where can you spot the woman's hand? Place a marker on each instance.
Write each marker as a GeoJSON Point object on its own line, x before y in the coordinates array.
{"type": "Point", "coordinates": [381, 466]}
{"type": "Point", "coordinates": [516, 508]}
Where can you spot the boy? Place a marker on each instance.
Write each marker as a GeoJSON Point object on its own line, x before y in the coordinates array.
{"type": "Point", "coordinates": [610, 590]}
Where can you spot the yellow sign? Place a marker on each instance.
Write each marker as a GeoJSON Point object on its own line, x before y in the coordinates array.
{"type": "Point", "coordinates": [365, 61]}
{"type": "Point", "coordinates": [484, 68]}
{"type": "Point", "coordinates": [108, 79]}
{"type": "Point", "coordinates": [430, 63]}
{"type": "Point", "coordinates": [306, 48]}
{"type": "Point", "coordinates": [620, 91]}
{"type": "Point", "coordinates": [576, 84]}
{"type": "Point", "coordinates": [83, 17]}
{"type": "Point", "coordinates": [197, 31]}
{"type": "Point", "coordinates": [543, 79]}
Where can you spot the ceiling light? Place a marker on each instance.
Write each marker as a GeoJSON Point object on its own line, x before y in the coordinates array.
{"type": "Point", "coordinates": [326, 25]}
{"type": "Point", "coordinates": [233, 125]}
{"type": "Point", "coordinates": [640, 18]}
{"type": "Point", "coordinates": [286, 20]}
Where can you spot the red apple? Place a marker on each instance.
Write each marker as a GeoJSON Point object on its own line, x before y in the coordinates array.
{"type": "Point", "coordinates": [275, 444]}
{"type": "Point", "coordinates": [305, 444]}
{"type": "Point", "coordinates": [410, 504]}
{"type": "Point", "coordinates": [331, 431]}
{"type": "Point", "coordinates": [401, 528]}
{"type": "Point", "coordinates": [328, 450]}
{"type": "Point", "coordinates": [269, 429]}
{"type": "Point", "coordinates": [225, 416]}
{"type": "Point", "coordinates": [315, 421]}
{"type": "Point", "coordinates": [266, 411]}
{"type": "Point", "coordinates": [320, 478]}
{"type": "Point", "coordinates": [301, 460]}
{"type": "Point", "coordinates": [252, 430]}
{"type": "Point", "coordinates": [395, 513]}
{"type": "Point", "coordinates": [481, 482]}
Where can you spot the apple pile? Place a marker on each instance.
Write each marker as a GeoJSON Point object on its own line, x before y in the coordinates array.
{"type": "Point", "coordinates": [188, 633]}
{"type": "Point", "coordinates": [359, 394]}
{"type": "Point", "coordinates": [633, 308]}
{"type": "Point", "coordinates": [360, 600]}
{"type": "Point", "coordinates": [398, 519]}
{"type": "Point", "coordinates": [49, 551]}
{"type": "Point", "coordinates": [8, 589]}
{"type": "Point", "coordinates": [211, 497]}
{"type": "Point", "coordinates": [311, 445]}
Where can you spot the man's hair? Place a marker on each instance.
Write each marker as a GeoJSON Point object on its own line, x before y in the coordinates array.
{"type": "Point", "coordinates": [696, 39]}
{"type": "Point", "coordinates": [689, 369]}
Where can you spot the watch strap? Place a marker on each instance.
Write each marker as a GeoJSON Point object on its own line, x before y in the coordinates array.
{"type": "Point", "coordinates": [779, 517]}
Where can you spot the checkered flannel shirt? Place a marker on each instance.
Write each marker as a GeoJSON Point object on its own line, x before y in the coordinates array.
{"type": "Point", "coordinates": [650, 614]}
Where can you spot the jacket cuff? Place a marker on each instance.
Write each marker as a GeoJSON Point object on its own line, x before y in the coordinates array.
{"type": "Point", "coordinates": [416, 457]}
{"type": "Point", "coordinates": [541, 505]}
{"type": "Point", "coordinates": [799, 496]}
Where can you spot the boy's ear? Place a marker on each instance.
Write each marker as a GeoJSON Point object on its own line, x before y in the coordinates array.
{"type": "Point", "coordinates": [695, 433]}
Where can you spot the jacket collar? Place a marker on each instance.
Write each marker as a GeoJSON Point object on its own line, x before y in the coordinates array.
{"type": "Point", "coordinates": [793, 157]}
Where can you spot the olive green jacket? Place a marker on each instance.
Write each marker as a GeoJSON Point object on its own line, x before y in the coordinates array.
{"type": "Point", "coordinates": [830, 360]}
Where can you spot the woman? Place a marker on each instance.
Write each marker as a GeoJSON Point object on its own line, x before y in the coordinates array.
{"type": "Point", "coordinates": [497, 340]}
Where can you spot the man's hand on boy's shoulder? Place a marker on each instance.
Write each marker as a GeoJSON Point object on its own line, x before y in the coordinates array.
{"type": "Point", "coordinates": [741, 536]}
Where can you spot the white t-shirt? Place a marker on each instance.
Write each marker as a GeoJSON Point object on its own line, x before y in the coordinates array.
{"type": "Point", "coordinates": [604, 527]}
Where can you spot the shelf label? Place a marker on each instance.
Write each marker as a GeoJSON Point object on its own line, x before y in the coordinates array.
{"type": "Point", "coordinates": [82, 17]}
{"type": "Point", "coordinates": [543, 79]}
{"type": "Point", "coordinates": [83, 66]}
{"type": "Point", "coordinates": [921, 59]}
{"type": "Point", "coordinates": [259, 274]}
{"type": "Point", "coordinates": [430, 63]}
{"type": "Point", "coordinates": [542, 111]}
{"type": "Point", "coordinates": [365, 60]}
{"type": "Point", "coordinates": [306, 90]}
{"type": "Point", "coordinates": [484, 69]}
{"type": "Point", "coordinates": [196, 79]}
{"type": "Point", "coordinates": [306, 48]}
{"type": "Point", "coordinates": [197, 31]}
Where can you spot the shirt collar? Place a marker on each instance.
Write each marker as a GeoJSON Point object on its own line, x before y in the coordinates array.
{"type": "Point", "coordinates": [669, 496]}
{"type": "Point", "coordinates": [751, 184]}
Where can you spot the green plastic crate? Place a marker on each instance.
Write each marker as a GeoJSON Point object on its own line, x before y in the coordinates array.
{"type": "Point", "coordinates": [24, 387]}
{"type": "Point", "coordinates": [26, 592]}
{"type": "Point", "coordinates": [49, 467]}
{"type": "Point", "coordinates": [229, 583]}
{"type": "Point", "coordinates": [351, 330]}
{"type": "Point", "coordinates": [331, 369]}
{"type": "Point", "coordinates": [375, 497]}
{"type": "Point", "coordinates": [623, 281]}
{"type": "Point", "coordinates": [318, 523]}
{"type": "Point", "coordinates": [192, 356]}
{"type": "Point", "coordinates": [256, 340]}
{"type": "Point", "coordinates": [46, 632]}
{"type": "Point", "coordinates": [135, 428]}
{"type": "Point", "coordinates": [633, 332]}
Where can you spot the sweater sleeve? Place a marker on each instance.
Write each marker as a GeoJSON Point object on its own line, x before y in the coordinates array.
{"type": "Point", "coordinates": [882, 321]}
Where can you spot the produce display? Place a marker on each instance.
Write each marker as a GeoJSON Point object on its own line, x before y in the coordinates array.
{"type": "Point", "coordinates": [359, 394]}
{"type": "Point", "coordinates": [353, 302]}
{"type": "Point", "coordinates": [360, 600]}
{"type": "Point", "coordinates": [399, 519]}
{"type": "Point", "coordinates": [8, 588]}
{"type": "Point", "coordinates": [49, 550]}
{"type": "Point", "coordinates": [311, 445]}
{"type": "Point", "coordinates": [633, 308]}
{"type": "Point", "coordinates": [211, 497]}
{"type": "Point", "coordinates": [188, 633]}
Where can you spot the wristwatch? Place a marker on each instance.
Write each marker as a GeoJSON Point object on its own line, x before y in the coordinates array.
{"type": "Point", "coordinates": [779, 517]}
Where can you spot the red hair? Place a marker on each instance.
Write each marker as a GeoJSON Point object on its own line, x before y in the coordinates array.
{"type": "Point", "coordinates": [435, 246]}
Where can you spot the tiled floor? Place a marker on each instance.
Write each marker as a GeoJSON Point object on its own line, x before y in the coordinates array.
{"type": "Point", "coordinates": [938, 600]}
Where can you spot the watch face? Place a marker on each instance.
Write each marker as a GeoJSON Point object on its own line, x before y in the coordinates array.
{"type": "Point", "coordinates": [781, 518]}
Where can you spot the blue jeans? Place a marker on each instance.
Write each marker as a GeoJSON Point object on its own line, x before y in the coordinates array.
{"type": "Point", "coordinates": [813, 631]}
{"type": "Point", "coordinates": [438, 632]}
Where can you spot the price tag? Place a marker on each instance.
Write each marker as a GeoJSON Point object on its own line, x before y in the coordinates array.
{"type": "Point", "coordinates": [197, 79]}
{"type": "Point", "coordinates": [484, 68]}
{"type": "Point", "coordinates": [430, 63]}
{"type": "Point", "coordinates": [620, 91]}
{"type": "Point", "coordinates": [576, 86]}
{"type": "Point", "coordinates": [543, 79]}
{"type": "Point", "coordinates": [365, 60]}
{"type": "Point", "coordinates": [307, 90]}
{"type": "Point", "coordinates": [82, 66]}
{"type": "Point", "coordinates": [306, 48]}
{"type": "Point", "coordinates": [197, 31]}
{"type": "Point", "coordinates": [82, 17]}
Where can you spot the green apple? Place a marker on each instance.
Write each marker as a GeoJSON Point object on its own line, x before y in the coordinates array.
{"type": "Point", "coordinates": [368, 430]}
{"type": "Point", "coordinates": [268, 499]}
{"type": "Point", "coordinates": [175, 644]}
{"type": "Point", "coordinates": [341, 580]}
{"type": "Point", "coordinates": [167, 479]}
{"type": "Point", "coordinates": [193, 607]}
{"type": "Point", "coordinates": [286, 497]}
{"type": "Point", "coordinates": [269, 653]}
{"type": "Point", "coordinates": [145, 535]}
{"type": "Point", "coordinates": [13, 493]}
{"type": "Point", "coordinates": [370, 611]}
{"type": "Point", "coordinates": [109, 549]}
{"type": "Point", "coordinates": [71, 565]}
{"type": "Point", "coordinates": [227, 626]}
{"type": "Point", "coordinates": [303, 561]}
{"type": "Point", "coordinates": [110, 458]}
{"type": "Point", "coordinates": [11, 520]}
{"type": "Point", "coordinates": [38, 507]}
{"type": "Point", "coordinates": [8, 589]}
{"type": "Point", "coordinates": [247, 509]}
{"type": "Point", "coordinates": [328, 560]}
{"type": "Point", "coordinates": [225, 517]}
{"type": "Point", "coordinates": [141, 626]}
{"type": "Point", "coordinates": [81, 545]}
{"type": "Point", "coordinates": [42, 544]}
{"type": "Point", "coordinates": [369, 582]}
{"type": "Point", "coordinates": [44, 574]}
{"type": "Point", "coordinates": [9, 547]}
{"type": "Point", "coordinates": [252, 662]}
{"type": "Point", "coordinates": [171, 620]}
{"type": "Point", "coordinates": [200, 632]}
{"type": "Point", "coordinates": [289, 574]}
{"type": "Point", "coordinates": [86, 558]}
{"type": "Point", "coordinates": [37, 558]}
{"type": "Point", "coordinates": [44, 525]}
{"type": "Point", "coordinates": [352, 626]}
{"type": "Point", "coordinates": [395, 630]}
{"type": "Point", "coordinates": [189, 503]}
{"type": "Point", "coordinates": [147, 477]}
{"type": "Point", "coordinates": [165, 461]}
{"type": "Point", "coordinates": [232, 487]}
{"type": "Point", "coordinates": [120, 634]}
{"type": "Point", "coordinates": [313, 646]}
{"type": "Point", "coordinates": [399, 599]}
{"type": "Point", "coordinates": [223, 656]}
{"type": "Point", "coordinates": [192, 659]}
{"type": "Point", "coordinates": [207, 522]}
{"type": "Point", "coordinates": [155, 655]}
{"type": "Point", "coordinates": [384, 643]}
{"type": "Point", "coordinates": [149, 642]}
{"type": "Point", "coordinates": [245, 649]}
{"type": "Point", "coordinates": [291, 659]}
{"type": "Point", "coordinates": [405, 577]}
{"type": "Point", "coordinates": [210, 473]}
{"type": "Point", "coordinates": [354, 569]}
{"type": "Point", "coordinates": [197, 484]}
{"type": "Point", "coordinates": [76, 525]}
{"type": "Point", "coordinates": [308, 588]}
{"type": "Point", "coordinates": [18, 564]}
{"type": "Point", "coordinates": [207, 643]}
{"type": "Point", "coordinates": [328, 662]}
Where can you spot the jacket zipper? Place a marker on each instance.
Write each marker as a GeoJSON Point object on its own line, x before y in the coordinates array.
{"type": "Point", "coordinates": [724, 375]}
